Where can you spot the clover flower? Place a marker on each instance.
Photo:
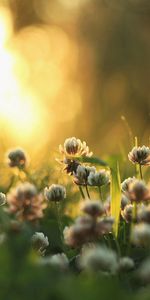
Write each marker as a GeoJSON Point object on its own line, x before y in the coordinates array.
{"type": "Point", "coordinates": [127, 213]}
{"type": "Point", "coordinates": [39, 242]}
{"type": "Point", "coordinates": [98, 259]}
{"type": "Point", "coordinates": [17, 158]}
{"type": "Point", "coordinates": [25, 202]}
{"type": "Point", "coordinates": [144, 214]}
{"type": "Point", "coordinates": [98, 178]}
{"type": "Point", "coordinates": [144, 271]}
{"type": "Point", "coordinates": [79, 233]}
{"type": "Point", "coordinates": [2, 199]}
{"type": "Point", "coordinates": [75, 148]}
{"type": "Point", "coordinates": [104, 226]}
{"type": "Point", "coordinates": [138, 191]}
{"type": "Point", "coordinates": [70, 165]}
{"type": "Point", "coordinates": [126, 263]}
{"type": "Point", "coordinates": [58, 261]}
{"type": "Point", "coordinates": [126, 184]}
{"type": "Point", "coordinates": [55, 193]}
{"type": "Point", "coordinates": [141, 234]}
{"type": "Point", "coordinates": [82, 174]}
{"type": "Point", "coordinates": [140, 155]}
{"type": "Point", "coordinates": [93, 208]}
{"type": "Point", "coordinates": [124, 201]}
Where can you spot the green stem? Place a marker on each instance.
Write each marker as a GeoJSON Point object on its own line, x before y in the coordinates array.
{"type": "Point", "coordinates": [81, 192]}
{"type": "Point", "coordinates": [87, 192]}
{"type": "Point", "coordinates": [59, 221]}
{"type": "Point", "coordinates": [100, 193]}
{"type": "Point", "coordinates": [140, 169]}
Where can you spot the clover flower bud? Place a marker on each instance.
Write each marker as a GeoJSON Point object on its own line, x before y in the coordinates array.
{"type": "Point", "coordinates": [98, 178]}
{"type": "Point", "coordinates": [74, 147]}
{"type": "Point", "coordinates": [141, 234]}
{"type": "Point", "coordinates": [93, 208]}
{"type": "Point", "coordinates": [17, 158]}
{"type": "Point", "coordinates": [40, 242]}
{"type": "Point", "coordinates": [126, 263]}
{"type": "Point", "coordinates": [127, 213]}
{"type": "Point", "coordinates": [2, 199]}
{"type": "Point", "coordinates": [140, 155]}
{"type": "Point", "coordinates": [98, 259]}
{"type": "Point", "coordinates": [55, 193]}
{"type": "Point", "coordinates": [82, 173]}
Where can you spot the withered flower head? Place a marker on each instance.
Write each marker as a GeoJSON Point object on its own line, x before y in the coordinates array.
{"type": "Point", "coordinates": [25, 202]}
{"type": "Point", "coordinates": [140, 155]}
{"type": "Point", "coordinates": [17, 158]}
{"type": "Point", "coordinates": [39, 242]}
{"type": "Point", "coordinates": [55, 193]}
{"type": "Point", "coordinates": [98, 178]}
{"type": "Point", "coordinates": [93, 208]}
{"type": "Point", "coordinates": [74, 148]}
{"type": "Point", "coordinates": [82, 173]}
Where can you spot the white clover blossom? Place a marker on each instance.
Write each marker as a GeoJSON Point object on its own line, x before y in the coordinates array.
{"type": "Point", "coordinates": [98, 178]}
{"type": "Point", "coordinates": [17, 158]}
{"type": "Point", "coordinates": [39, 242]}
{"type": "Point", "coordinates": [2, 199]}
{"type": "Point", "coordinates": [140, 155]}
{"type": "Point", "coordinates": [126, 184]}
{"type": "Point", "coordinates": [93, 208]}
{"type": "Point", "coordinates": [143, 213]}
{"type": "Point", "coordinates": [124, 201]}
{"type": "Point", "coordinates": [140, 235]}
{"type": "Point", "coordinates": [82, 173]}
{"type": "Point", "coordinates": [126, 263]}
{"type": "Point", "coordinates": [127, 213]}
{"type": "Point", "coordinates": [74, 147]}
{"type": "Point", "coordinates": [55, 193]}
{"type": "Point", "coordinates": [144, 271]}
{"type": "Point", "coordinates": [99, 259]}
{"type": "Point", "coordinates": [59, 261]}
{"type": "Point", "coordinates": [138, 191]}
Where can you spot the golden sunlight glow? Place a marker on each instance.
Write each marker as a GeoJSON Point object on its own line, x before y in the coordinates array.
{"type": "Point", "coordinates": [36, 84]}
{"type": "Point", "coordinates": [15, 103]}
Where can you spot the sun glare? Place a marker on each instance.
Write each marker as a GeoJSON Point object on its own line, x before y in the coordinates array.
{"type": "Point", "coordinates": [16, 104]}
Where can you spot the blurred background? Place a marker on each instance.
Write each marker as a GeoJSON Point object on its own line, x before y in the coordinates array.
{"type": "Point", "coordinates": [73, 68]}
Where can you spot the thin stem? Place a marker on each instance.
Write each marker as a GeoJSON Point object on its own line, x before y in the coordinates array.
{"type": "Point", "coordinates": [81, 192]}
{"type": "Point", "coordinates": [140, 169]}
{"type": "Point", "coordinates": [59, 221]}
{"type": "Point", "coordinates": [100, 193]}
{"type": "Point", "coordinates": [87, 192]}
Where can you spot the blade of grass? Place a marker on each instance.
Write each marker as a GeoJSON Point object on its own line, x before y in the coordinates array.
{"type": "Point", "coordinates": [115, 187]}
